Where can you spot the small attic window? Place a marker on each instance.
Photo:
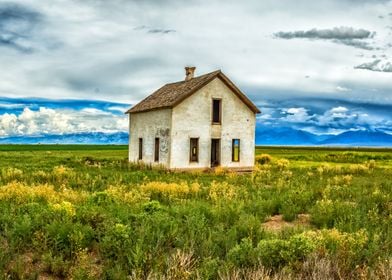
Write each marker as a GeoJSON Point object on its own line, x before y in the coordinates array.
{"type": "Point", "coordinates": [216, 111]}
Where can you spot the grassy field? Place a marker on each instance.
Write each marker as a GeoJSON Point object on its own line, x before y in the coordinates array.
{"type": "Point", "coordinates": [84, 212]}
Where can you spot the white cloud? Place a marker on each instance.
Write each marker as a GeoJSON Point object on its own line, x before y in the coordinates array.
{"type": "Point", "coordinates": [118, 108]}
{"type": "Point", "coordinates": [334, 116]}
{"type": "Point", "coordinates": [338, 110]}
{"type": "Point", "coordinates": [51, 121]}
{"type": "Point", "coordinates": [11, 106]}
{"type": "Point", "coordinates": [296, 115]}
{"type": "Point", "coordinates": [341, 118]}
{"type": "Point", "coordinates": [342, 89]}
{"type": "Point", "coordinates": [94, 112]}
{"type": "Point", "coordinates": [264, 117]}
{"type": "Point", "coordinates": [323, 117]}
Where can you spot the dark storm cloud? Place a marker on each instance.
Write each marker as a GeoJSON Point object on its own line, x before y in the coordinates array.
{"type": "Point", "coordinates": [338, 33]}
{"type": "Point", "coordinates": [106, 77]}
{"type": "Point", "coordinates": [15, 42]}
{"type": "Point", "coordinates": [376, 65]}
{"type": "Point", "coordinates": [163, 31]}
{"type": "Point", "coordinates": [356, 44]}
{"type": "Point", "coordinates": [342, 35]}
{"type": "Point", "coordinates": [155, 30]}
{"type": "Point", "coordinates": [16, 25]}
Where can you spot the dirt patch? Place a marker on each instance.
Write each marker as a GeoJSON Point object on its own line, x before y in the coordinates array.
{"type": "Point", "coordinates": [276, 223]}
{"type": "Point", "coordinates": [303, 219]}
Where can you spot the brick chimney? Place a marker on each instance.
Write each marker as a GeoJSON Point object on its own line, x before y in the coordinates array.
{"type": "Point", "coordinates": [189, 73]}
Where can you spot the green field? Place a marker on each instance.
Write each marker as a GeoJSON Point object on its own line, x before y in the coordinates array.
{"type": "Point", "coordinates": [84, 212]}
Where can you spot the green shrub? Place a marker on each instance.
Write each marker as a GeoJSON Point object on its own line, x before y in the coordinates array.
{"type": "Point", "coordinates": [323, 214]}
{"type": "Point", "coordinates": [273, 253]}
{"type": "Point", "coordinates": [263, 159]}
{"type": "Point", "coordinates": [100, 198]}
{"type": "Point", "coordinates": [209, 268]}
{"type": "Point", "coordinates": [152, 206]}
{"type": "Point", "coordinates": [116, 241]}
{"type": "Point", "coordinates": [243, 254]}
{"type": "Point", "coordinates": [289, 210]}
{"type": "Point", "coordinates": [300, 246]}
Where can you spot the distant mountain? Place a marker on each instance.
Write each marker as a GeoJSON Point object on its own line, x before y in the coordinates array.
{"type": "Point", "coordinates": [289, 136]}
{"type": "Point", "coordinates": [284, 136]}
{"type": "Point", "coordinates": [73, 138]}
{"type": "Point", "coordinates": [360, 138]}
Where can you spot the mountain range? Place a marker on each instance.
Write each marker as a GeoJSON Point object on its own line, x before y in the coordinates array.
{"type": "Point", "coordinates": [116, 138]}
{"type": "Point", "coordinates": [289, 136]}
{"type": "Point", "coordinates": [264, 136]}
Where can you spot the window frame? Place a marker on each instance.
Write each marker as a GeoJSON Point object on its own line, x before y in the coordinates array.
{"type": "Point", "coordinates": [157, 144]}
{"type": "Point", "coordinates": [233, 145]}
{"type": "Point", "coordinates": [191, 157]}
{"type": "Point", "coordinates": [140, 156]}
{"type": "Point", "coordinates": [220, 111]}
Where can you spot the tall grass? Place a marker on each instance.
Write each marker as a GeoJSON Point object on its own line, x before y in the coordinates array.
{"type": "Point", "coordinates": [92, 215]}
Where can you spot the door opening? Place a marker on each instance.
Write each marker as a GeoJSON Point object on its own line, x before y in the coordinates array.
{"type": "Point", "coordinates": [215, 152]}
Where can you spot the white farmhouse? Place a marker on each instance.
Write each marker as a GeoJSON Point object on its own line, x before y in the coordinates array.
{"type": "Point", "coordinates": [199, 123]}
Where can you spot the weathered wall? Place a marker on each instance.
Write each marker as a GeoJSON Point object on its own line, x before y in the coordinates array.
{"type": "Point", "coordinates": [192, 119]}
{"type": "Point", "coordinates": [149, 125]}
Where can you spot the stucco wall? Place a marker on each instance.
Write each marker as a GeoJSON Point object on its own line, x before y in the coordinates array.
{"type": "Point", "coordinates": [149, 125]}
{"type": "Point", "coordinates": [192, 119]}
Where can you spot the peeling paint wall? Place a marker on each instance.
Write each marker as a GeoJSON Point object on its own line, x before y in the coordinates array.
{"type": "Point", "coordinates": [150, 125]}
{"type": "Point", "coordinates": [192, 118]}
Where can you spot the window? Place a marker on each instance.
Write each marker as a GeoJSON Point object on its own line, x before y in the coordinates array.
{"type": "Point", "coordinates": [236, 150]}
{"type": "Point", "coordinates": [156, 153]}
{"type": "Point", "coordinates": [194, 150]}
{"type": "Point", "coordinates": [216, 111]}
{"type": "Point", "coordinates": [140, 148]}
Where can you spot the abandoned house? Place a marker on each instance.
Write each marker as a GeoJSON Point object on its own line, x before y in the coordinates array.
{"type": "Point", "coordinates": [198, 123]}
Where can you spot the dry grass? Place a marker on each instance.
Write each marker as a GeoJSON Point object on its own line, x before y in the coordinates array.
{"type": "Point", "coordinates": [258, 273]}
{"type": "Point", "coordinates": [276, 223]}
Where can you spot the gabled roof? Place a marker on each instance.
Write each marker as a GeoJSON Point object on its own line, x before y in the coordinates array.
{"type": "Point", "coordinates": [172, 94]}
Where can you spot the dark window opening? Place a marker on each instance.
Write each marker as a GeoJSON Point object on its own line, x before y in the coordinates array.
{"type": "Point", "coordinates": [194, 149]}
{"type": "Point", "coordinates": [140, 148]}
{"type": "Point", "coordinates": [216, 110]}
{"type": "Point", "coordinates": [156, 153]}
{"type": "Point", "coordinates": [235, 150]}
{"type": "Point", "coordinates": [215, 152]}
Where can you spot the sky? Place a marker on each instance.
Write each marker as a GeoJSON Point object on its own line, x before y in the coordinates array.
{"type": "Point", "coordinates": [69, 66]}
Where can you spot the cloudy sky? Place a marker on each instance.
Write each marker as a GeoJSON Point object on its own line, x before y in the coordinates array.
{"type": "Point", "coordinates": [71, 66]}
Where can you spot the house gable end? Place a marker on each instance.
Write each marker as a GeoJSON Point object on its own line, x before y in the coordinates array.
{"type": "Point", "coordinates": [171, 95]}
{"type": "Point", "coordinates": [231, 86]}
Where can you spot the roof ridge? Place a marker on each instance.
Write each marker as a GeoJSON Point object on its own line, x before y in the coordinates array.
{"type": "Point", "coordinates": [201, 76]}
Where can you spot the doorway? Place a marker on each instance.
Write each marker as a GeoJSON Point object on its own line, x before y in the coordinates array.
{"type": "Point", "coordinates": [215, 152]}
